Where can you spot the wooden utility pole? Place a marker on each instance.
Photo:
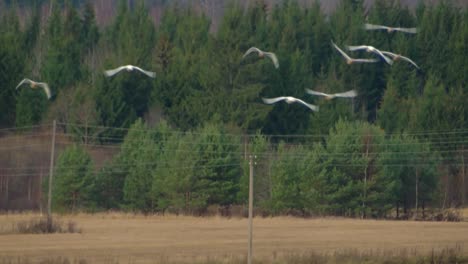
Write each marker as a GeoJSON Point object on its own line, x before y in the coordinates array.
{"type": "Point", "coordinates": [366, 168]}
{"type": "Point", "coordinates": [416, 194]}
{"type": "Point", "coordinates": [463, 187]}
{"type": "Point", "coordinates": [51, 176]}
{"type": "Point", "coordinates": [251, 169]}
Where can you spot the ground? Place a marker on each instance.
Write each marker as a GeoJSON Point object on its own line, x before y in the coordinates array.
{"type": "Point", "coordinates": [128, 238]}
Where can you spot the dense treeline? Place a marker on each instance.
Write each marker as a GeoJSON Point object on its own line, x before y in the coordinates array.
{"type": "Point", "coordinates": [399, 144]}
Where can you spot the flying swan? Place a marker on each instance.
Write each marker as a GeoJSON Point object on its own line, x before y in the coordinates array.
{"type": "Point", "coordinates": [350, 60]}
{"type": "Point", "coordinates": [129, 68]}
{"type": "Point", "coordinates": [34, 85]}
{"type": "Point", "coordinates": [262, 54]}
{"type": "Point", "coordinates": [390, 29]}
{"type": "Point", "coordinates": [370, 49]}
{"type": "Point", "coordinates": [396, 57]}
{"type": "Point", "coordinates": [348, 94]}
{"type": "Point", "coordinates": [289, 100]}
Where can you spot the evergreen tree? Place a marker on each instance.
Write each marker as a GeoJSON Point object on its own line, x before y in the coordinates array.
{"type": "Point", "coordinates": [74, 179]}
{"type": "Point", "coordinates": [353, 149]}
{"type": "Point", "coordinates": [12, 64]}
{"type": "Point", "coordinates": [137, 158]}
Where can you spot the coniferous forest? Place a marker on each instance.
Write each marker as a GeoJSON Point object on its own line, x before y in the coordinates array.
{"type": "Point", "coordinates": [182, 140]}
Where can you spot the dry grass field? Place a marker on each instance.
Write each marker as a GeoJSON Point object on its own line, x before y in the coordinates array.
{"type": "Point", "coordinates": [127, 238]}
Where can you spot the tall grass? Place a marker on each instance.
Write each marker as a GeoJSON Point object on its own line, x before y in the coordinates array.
{"type": "Point", "coordinates": [448, 255]}
{"type": "Point", "coordinates": [42, 225]}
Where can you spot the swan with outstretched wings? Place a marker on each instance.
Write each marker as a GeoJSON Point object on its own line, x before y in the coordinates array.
{"type": "Point", "coordinates": [129, 68]}
{"type": "Point", "coordinates": [348, 94]}
{"type": "Point", "coordinates": [396, 57]}
{"type": "Point", "coordinates": [263, 54]}
{"type": "Point", "coordinates": [390, 29]}
{"type": "Point", "coordinates": [372, 50]}
{"type": "Point", "coordinates": [34, 85]}
{"type": "Point", "coordinates": [350, 60]}
{"type": "Point", "coordinates": [289, 100]}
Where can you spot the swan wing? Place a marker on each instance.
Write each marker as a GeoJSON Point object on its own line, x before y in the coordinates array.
{"type": "Point", "coordinates": [378, 52]}
{"type": "Point", "coordinates": [390, 54]}
{"type": "Point", "coordinates": [354, 48]}
{"type": "Point", "coordinates": [374, 27]}
{"type": "Point", "coordinates": [348, 94]}
{"type": "Point", "coordinates": [309, 91]}
{"type": "Point", "coordinates": [273, 100]}
{"type": "Point", "coordinates": [252, 49]}
{"type": "Point", "coordinates": [341, 51]}
{"type": "Point", "coordinates": [110, 73]}
{"type": "Point", "coordinates": [273, 57]}
{"type": "Point", "coordinates": [410, 61]}
{"type": "Point", "coordinates": [408, 30]}
{"type": "Point", "coordinates": [149, 73]}
{"type": "Point", "coordinates": [46, 88]}
{"type": "Point", "coordinates": [25, 80]}
{"type": "Point", "coordinates": [365, 60]}
{"type": "Point", "coordinates": [310, 106]}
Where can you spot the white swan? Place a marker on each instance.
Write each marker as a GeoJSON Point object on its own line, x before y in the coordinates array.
{"type": "Point", "coordinates": [390, 29]}
{"type": "Point", "coordinates": [129, 68]}
{"type": "Point", "coordinates": [289, 100]}
{"type": "Point", "coordinates": [262, 54]}
{"type": "Point", "coordinates": [34, 85]}
{"type": "Point", "coordinates": [350, 60]}
{"type": "Point", "coordinates": [396, 57]}
{"type": "Point", "coordinates": [370, 49]}
{"type": "Point", "coordinates": [348, 94]}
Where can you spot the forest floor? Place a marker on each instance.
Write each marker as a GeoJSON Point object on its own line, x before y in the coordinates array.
{"type": "Point", "coordinates": [129, 238]}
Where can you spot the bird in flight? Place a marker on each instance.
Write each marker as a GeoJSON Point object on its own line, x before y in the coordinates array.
{"type": "Point", "coordinates": [289, 100]}
{"type": "Point", "coordinates": [34, 85]}
{"type": "Point", "coordinates": [390, 29]}
{"type": "Point", "coordinates": [350, 60]}
{"type": "Point", "coordinates": [348, 94]}
{"type": "Point", "coordinates": [396, 57]}
{"type": "Point", "coordinates": [129, 68]}
{"type": "Point", "coordinates": [371, 49]}
{"type": "Point", "coordinates": [262, 54]}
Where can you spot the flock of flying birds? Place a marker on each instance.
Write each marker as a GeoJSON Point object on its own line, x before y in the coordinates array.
{"type": "Point", "coordinates": [387, 56]}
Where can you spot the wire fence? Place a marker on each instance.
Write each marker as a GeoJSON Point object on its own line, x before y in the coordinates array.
{"type": "Point", "coordinates": [25, 154]}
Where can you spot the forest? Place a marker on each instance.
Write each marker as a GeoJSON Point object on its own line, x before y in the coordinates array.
{"type": "Point", "coordinates": [183, 139]}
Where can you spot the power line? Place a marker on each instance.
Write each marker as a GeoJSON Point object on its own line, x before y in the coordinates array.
{"type": "Point", "coordinates": [23, 127]}
{"type": "Point", "coordinates": [151, 170]}
{"type": "Point", "coordinates": [420, 133]}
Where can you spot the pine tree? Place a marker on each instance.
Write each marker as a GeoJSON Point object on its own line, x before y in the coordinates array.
{"type": "Point", "coordinates": [74, 179]}
{"type": "Point", "coordinates": [12, 64]}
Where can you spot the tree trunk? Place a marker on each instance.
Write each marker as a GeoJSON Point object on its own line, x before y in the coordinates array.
{"type": "Point", "coordinates": [365, 177]}
{"type": "Point", "coordinates": [416, 196]}
{"type": "Point", "coordinates": [40, 192]}
{"type": "Point", "coordinates": [446, 190]}
{"type": "Point", "coordinates": [463, 185]}
{"type": "Point", "coordinates": [423, 209]}
{"type": "Point", "coordinates": [6, 193]}
{"type": "Point", "coordinates": [397, 210]}
{"type": "Point", "coordinates": [29, 188]}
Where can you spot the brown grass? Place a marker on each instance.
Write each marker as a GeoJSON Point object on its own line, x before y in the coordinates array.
{"type": "Point", "coordinates": [129, 238]}
{"type": "Point", "coordinates": [42, 225]}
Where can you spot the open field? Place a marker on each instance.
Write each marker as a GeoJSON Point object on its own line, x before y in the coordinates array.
{"type": "Point", "coordinates": [127, 238]}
